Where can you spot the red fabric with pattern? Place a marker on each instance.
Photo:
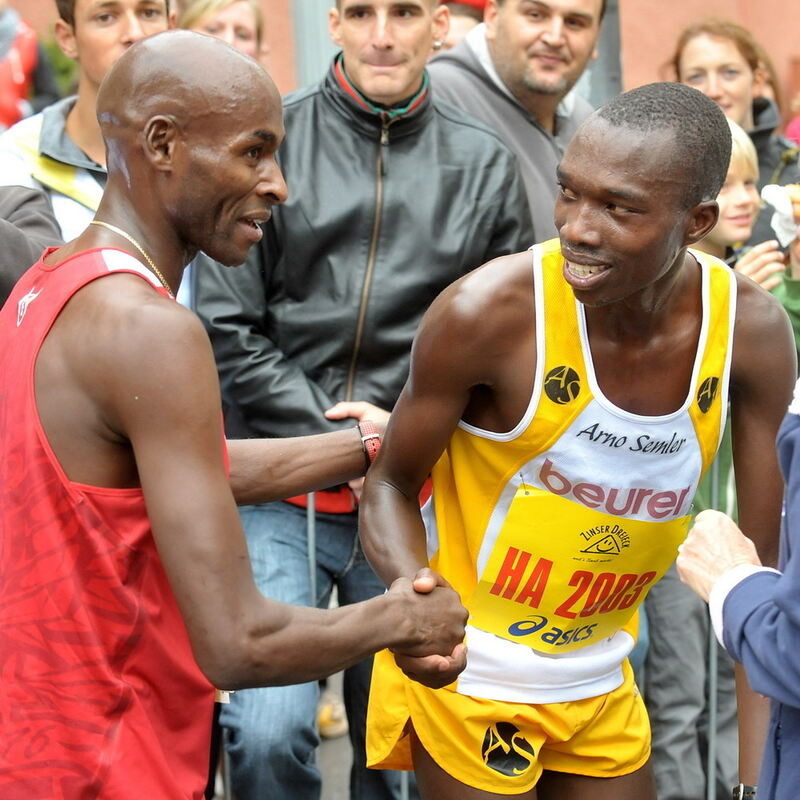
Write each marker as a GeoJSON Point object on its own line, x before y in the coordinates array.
{"type": "Point", "coordinates": [100, 696]}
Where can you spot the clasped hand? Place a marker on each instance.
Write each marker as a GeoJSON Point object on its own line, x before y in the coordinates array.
{"type": "Point", "coordinates": [439, 617]}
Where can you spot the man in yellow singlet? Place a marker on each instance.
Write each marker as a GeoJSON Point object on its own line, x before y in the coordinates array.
{"type": "Point", "coordinates": [567, 402]}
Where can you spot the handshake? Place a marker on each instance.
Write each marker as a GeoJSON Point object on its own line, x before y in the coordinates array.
{"type": "Point", "coordinates": [430, 631]}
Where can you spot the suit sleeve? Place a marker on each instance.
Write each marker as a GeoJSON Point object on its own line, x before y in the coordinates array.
{"type": "Point", "coordinates": [761, 614]}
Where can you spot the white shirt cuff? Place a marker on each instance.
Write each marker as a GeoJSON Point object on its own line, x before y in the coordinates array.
{"type": "Point", "coordinates": [723, 585]}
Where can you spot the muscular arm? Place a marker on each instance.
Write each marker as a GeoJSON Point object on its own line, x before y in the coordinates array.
{"type": "Point", "coordinates": [263, 470]}
{"type": "Point", "coordinates": [763, 346]}
{"type": "Point", "coordinates": [463, 342]}
{"type": "Point", "coordinates": [154, 381]}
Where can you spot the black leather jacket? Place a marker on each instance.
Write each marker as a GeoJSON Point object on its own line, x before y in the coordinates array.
{"type": "Point", "coordinates": [380, 218]}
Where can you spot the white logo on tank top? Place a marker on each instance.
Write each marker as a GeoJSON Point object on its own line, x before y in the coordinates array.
{"type": "Point", "coordinates": [22, 306]}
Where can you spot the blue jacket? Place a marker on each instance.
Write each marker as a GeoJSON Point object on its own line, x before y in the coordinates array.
{"type": "Point", "coordinates": [761, 629]}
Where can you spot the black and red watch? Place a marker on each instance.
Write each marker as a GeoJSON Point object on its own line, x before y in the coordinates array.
{"type": "Point", "coordinates": [370, 440]}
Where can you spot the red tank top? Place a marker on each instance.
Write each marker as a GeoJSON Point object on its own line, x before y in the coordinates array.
{"type": "Point", "coordinates": [100, 696]}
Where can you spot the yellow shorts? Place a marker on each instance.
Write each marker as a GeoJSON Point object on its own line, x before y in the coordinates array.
{"type": "Point", "coordinates": [504, 747]}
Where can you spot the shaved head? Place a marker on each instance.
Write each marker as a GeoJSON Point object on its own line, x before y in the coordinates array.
{"type": "Point", "coordinates": [192, 128]}
{"type": "Point", "coordinates": [159, 76]}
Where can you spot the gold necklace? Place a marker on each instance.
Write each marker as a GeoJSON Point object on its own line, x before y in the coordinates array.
{"type": "Point", "coordinates": [150, 262]}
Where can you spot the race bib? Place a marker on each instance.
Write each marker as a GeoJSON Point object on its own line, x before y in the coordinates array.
{"type": "Point", "coordinates": [562, 576]}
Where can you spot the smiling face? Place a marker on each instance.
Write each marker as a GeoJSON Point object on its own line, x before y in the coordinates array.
{"type": "Point", "coordinates": [716, 67]}
{"type": "Point", "coordinates": [235, 24]}
{"type": "Point", "coordinates": [621, 212]}
{"type": "Point", "coordinates": [542, 46]}
{"type": "Point", "coordinates": [386, 44]}
{"type": "Point", "coordinates": [739, 203]}
{"type": "Point", "coordinates": [227, 177]}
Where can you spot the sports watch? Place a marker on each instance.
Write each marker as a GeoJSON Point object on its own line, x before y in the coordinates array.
{"type": "Point", "coordinates": [370, 440]}
{"type": "Point", "coordinates": [743, 792]}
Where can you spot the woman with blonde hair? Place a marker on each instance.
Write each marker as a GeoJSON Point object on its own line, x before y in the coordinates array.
{"type": "Point", "coordinates": [240, 23]}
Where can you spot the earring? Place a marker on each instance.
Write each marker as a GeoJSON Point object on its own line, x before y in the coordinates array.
{"type": "Point", "coordinates": [437, 45]}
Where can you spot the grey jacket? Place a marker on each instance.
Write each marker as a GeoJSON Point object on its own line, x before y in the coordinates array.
{"type": "Point", "coordinates": [381, 217]}
{"type": "Point", "coordinates": [27, 226]}
{"type": "Point", "coordinates": [459, 77]}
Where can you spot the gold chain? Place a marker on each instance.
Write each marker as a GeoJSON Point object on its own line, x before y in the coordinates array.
{"type": "Point", "coordinates": [150, 262]}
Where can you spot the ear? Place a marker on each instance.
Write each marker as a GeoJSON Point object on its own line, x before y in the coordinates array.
{"type": "Point", "coordinates": [160, 141]}
{"type": "Point", "coordinates": [490, 14]}
{"type": "Point", "coordinates": [65, 38]}
{"type": "Point", "coordinates": [334, 26]}
{"type": "Point", "coordinates": [702, 218]}
{"type": "Point", "coordinates": [440, 23]}
{"type": "Point", "coordinates": [760, 82]}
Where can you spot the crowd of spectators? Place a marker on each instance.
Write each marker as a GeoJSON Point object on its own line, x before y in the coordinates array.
{"type": "Point", "coordinates": [431, 146]}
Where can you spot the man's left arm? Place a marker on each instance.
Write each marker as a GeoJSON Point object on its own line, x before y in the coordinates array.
{"type": "Point", "coordinates": [264, 470]}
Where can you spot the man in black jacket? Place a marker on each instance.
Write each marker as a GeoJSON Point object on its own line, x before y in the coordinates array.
{"type": "Point", "coordinates": [393, 195]}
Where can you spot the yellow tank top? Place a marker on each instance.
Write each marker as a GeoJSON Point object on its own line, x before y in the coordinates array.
{"type": "Point", "coordinates": [554, 532]}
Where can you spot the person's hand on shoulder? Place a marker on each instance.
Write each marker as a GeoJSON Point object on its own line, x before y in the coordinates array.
{"type": "Point", "coordinates": [434, 653]}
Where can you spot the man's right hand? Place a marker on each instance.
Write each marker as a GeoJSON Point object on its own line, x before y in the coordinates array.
{"type": "Point", "coordinates": [432, 651]}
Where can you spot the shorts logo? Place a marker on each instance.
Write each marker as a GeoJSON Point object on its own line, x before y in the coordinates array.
{"type": "Point", "coordinates": [505, 750]}
{"type": "Point", "coordinates": [562, 385]}
{"type": "Point", "coordinates": [706, 393]}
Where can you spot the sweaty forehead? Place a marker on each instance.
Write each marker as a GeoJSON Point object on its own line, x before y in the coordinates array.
{"type": "Point", "coordinates": [626, 158]}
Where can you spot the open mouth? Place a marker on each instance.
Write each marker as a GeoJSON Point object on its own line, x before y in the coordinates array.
{"type": "Point", "coordinates": [585, 270]}
{"type": "Point", "coordinates": [251, 227]}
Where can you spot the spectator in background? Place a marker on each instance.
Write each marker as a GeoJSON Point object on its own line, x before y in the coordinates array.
{"type": "Point", "coordinates": [27, 83]}
{"type": "Point", "coordinates": [464, 16]}
{"type": "Point", "coordinates": [392, 196]}
{"type": "Point", "coordinates": [723, 60]}
{"type": "Point", "coordinates": [61, 150]}
{"type": "Point", "coordinates": [240, 23]}
{"type": "Point", "coordinates": [515, 72]}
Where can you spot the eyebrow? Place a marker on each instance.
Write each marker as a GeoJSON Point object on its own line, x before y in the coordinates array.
{"type": "Point", "coordinates": [267, 136]}
{"type": "Point", "coordinates": [625, 195]}
{"type": "Point", "coordinates": [411, 6]}
{"type": "Point", "coordinates": [574, 13]}
{"type": "Point", "coordinates": [103, 5]}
